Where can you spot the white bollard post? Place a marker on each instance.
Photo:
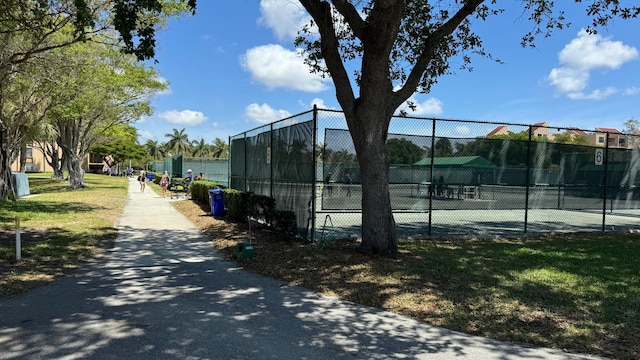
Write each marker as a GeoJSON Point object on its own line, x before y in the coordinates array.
{"type": "Point", "coordinates": [18, 244]}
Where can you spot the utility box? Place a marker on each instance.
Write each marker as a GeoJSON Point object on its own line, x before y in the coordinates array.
{"type": "Point", "coordinates": [244, 251]}
{"type": "Point", "coordinates": [21, 184]}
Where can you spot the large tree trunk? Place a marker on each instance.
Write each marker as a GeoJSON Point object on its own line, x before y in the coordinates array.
{"type": "Point", "coordinates": [368, 116]}
{"type": "Point", "coordinates": [52, 156]}
{"type": "Point", "coordinates": [23, 158]}
{"type": "Point", "coordinates": [72, 139]}
{"type": "Point", "coordinates": [76, 174]}
{"type": "Point", "coordinates": [378, 225]}
{"type": "Point", "coordinates": [6, 178]}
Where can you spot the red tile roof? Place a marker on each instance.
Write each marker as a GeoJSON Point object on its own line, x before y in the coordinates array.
{"type": "Point", "coordinates": [576, 131]}
{"type": "Point", "coordinates": [608, 130]}
{"type": "Point", "coordinates": [497, 130]}
{"type": "Point", "coordinates": [538, 125]}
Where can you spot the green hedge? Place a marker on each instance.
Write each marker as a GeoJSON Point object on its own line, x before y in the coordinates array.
{"type": "Point", "coordinates": [200, 190]}
{"type": "Point", "coordinates": [238, 205]}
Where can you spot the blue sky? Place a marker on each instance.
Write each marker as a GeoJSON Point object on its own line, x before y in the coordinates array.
{"type": "Point", "coordinates": [233, 67]}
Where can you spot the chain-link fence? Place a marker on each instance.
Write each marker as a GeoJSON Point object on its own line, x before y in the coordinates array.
{"type": "Point", "coordinates": [277, 160]}
{"type": "Point", "coordinates": [447, 177]}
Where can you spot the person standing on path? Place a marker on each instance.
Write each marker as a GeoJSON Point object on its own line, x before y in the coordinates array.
{"type": "Point", "coordinates": [349, 181]}
{"type": "Point", "coordinates": [143, 180]}
{"type": "Point", "coordinates": [164, 183]}
{"type": "Point", "coordinates": [189, 179]}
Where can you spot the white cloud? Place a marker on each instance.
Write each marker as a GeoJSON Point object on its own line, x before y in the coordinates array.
{"type": "Point", "coordinates": [284, 17]}
{"type": "Point", "coordinates": [147, 135]}
{"type": "Point", "coordinates": [632, 91]}
{"type": "Point", "coordinates": [318, 102]}
{"type": "Point", "coordinates": [594, 95]}
{"type": "Point", "coordinates": [581, 57]}
{"type": "Point", "coordinates": [264, 113]}
{"type": "Point", "coordinates": [462, 130]}
{"type": "Point", "coordinates": [568, 79]}
{"type": "Point", "coordinates": [431, 106]}
{"type": "Point", "coordinates": [184, 117]}
{"type": "Point", "coordinates": [593, 51]}
{"type": "Point", "coordinates": [275, 66]}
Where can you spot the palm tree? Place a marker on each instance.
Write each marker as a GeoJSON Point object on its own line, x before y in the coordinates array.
{"type": "Point", "coordinates": [153, 149]}
{"type": "Point", "coordinates": [46, 142]}
{"type": "Point", "coordinates": [200, 148]}
{"type": "Point", "coordinates": [164, 150]}
{"type": "Point", "coordinates": [178, 143]}
{"type": "Point", "coordinates": [220, 149]}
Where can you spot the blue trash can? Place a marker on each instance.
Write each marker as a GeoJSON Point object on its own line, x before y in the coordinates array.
{"type": "Point", "coordinates": [150, 177]}
{"type": "Point", "coordinates": [216, 200]}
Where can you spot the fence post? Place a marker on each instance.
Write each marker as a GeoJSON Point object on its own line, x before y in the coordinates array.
{"type": "Point", "coordinates": [429, 187]}
{"type": "Point", "coordinates": [604, 180]}
{"type": "Point", "coordinates": [528, 180]}
{"type": "Point", "coordinates": [229, 162]}
{"type": "Point", "coordinates": [271, 161]}
{"type": "Point", "coordinates": [315, 179]}
{"type": "Point", "coordinates": [244, 162]}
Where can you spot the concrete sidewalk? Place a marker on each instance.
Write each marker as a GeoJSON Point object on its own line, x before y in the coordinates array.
{"type": "Point", "coordinates": [163, 292]}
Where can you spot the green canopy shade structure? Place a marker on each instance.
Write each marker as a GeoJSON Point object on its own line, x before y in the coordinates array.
{"type": "Point", "coordinates": [460, 170]}
{"type": "Point", "coordinates": [475, 162]}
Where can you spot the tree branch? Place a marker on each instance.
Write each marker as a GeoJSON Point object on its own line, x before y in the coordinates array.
{"type": "Point", "coordinates": [320, 11]}
{"type": "Point", "coordinates": [351, 16]}
{"type": "Point", "coordinates": [431, 44]}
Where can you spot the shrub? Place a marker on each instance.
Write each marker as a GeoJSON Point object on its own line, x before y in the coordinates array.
{"type": "Point", "coordinates": [261, 208]}
{"type": "Point", "coordinates": [284, 221]}
{"type": "Point", "coordinates": [236, 204]}
{"type": "Point", "coordinates": [241, 204]}
{"type": "Point", "coordinates": [200, 191]}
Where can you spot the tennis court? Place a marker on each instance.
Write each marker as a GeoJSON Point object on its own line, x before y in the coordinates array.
{"type": "Point", "coordinates": [481, 211]}
{"type": "Point", "coordinates": [480, 223]}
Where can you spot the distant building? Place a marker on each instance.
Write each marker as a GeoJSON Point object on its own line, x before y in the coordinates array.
{"type": "Point", "coordinates": [598, 137]}
{"type": "Point", "coordinates": [500, 130]}
{"type": "Point", "coordinates": [541, 129]}
{"type": "Point", "coordinates": [575, 132]}
{"type": "Point", "coordinates": [616, 139]}
{"type": "Point", "coordinates": [36, 162]}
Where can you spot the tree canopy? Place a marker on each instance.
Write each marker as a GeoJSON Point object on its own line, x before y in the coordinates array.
{"type": "Point", "coordinates": [403, 151]}
{"type": "Point", "coordinates": [49, 46]}
{"type": "Point", "coordinates": [119, 143]}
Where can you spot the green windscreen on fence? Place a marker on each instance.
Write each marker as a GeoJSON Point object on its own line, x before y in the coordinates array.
{"type": "Point", "coordinates": [237, 159]}
{"type": "Point", "coordinates": [212, 169]}
{"type": "Point", "coordinates": [277, 161]}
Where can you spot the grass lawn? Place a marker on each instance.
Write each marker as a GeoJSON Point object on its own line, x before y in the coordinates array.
{"type": "Point", "coordinates": [579, 292]}
{"type": "Point", "coordinates": [59, 229]}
